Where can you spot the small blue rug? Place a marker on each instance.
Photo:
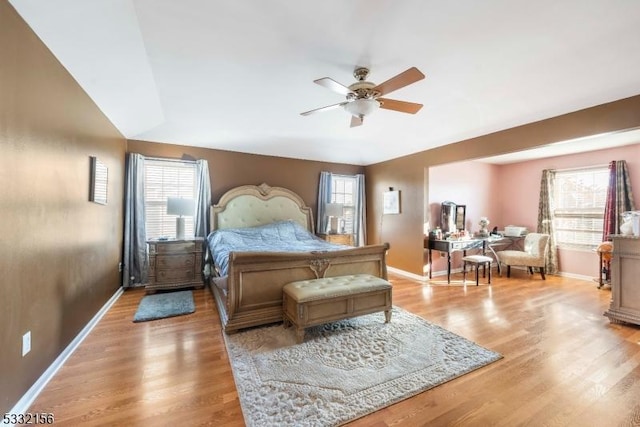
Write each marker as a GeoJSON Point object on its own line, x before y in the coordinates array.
{"type": "Point", "coordinates": [160, 306]}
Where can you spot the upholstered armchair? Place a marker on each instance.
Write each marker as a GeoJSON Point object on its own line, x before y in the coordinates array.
{"type": "Point", "coordinates": [536, 246]}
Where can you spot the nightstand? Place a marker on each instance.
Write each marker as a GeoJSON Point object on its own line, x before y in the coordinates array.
{"type": "Point", "coordinates": [175, 264]}
{"type": "Point", "coordinates": [340, 239]}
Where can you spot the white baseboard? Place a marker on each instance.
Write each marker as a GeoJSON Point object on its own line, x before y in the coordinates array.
{"type": "Point", "coordinates": [407, 274]}
{"type": "Point", "coordinates": [30, 396]}
{"type": "Point", "coordinates": [576, 276]}
{"type": "Point", "coordinates": [459, 270]}
{"type": "Point", "coordinates": [421, 278]}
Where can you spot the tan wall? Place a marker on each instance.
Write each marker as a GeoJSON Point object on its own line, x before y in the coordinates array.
{"type": "Point", "coordinates": [228, 169]}
{"type": "Point", "coordinates": [408, 174]}
{"type": "Point", "coordinates": [59, 253]}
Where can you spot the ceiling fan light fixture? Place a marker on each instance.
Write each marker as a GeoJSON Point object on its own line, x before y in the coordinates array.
{"type": "Point", "coordinates": [362, 107]}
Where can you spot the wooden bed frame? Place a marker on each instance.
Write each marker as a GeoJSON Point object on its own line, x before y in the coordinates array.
{"type": "Point", "coordinates": [255, 279]}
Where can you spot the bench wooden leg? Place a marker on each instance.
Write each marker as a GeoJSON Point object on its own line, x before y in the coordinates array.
{"type": "Point", "coordinates": [299, 335]}
{"type": "Point", "coordinates": [387, 316]}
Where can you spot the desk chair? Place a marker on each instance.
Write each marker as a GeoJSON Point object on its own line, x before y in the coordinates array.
{"type": "Point", "coordinates": [477, 261]}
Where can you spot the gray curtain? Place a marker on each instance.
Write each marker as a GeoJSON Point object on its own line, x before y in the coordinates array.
{"type": "Point", "coordinates": [545, 218]}
{"type": "Point", "coordinates": [136, 258]}
{"type": "Point", "coordinates": [324, 197]}
{"type": "Point", "coordinates": [360, 217]}
{"type": "Point", "coordinates": [203, 199]}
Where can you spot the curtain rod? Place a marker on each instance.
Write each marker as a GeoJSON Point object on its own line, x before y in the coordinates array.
{"type": "Point", "coordinates": [169, 159]}
{"type": "Point", "coordinates": [581, 168]}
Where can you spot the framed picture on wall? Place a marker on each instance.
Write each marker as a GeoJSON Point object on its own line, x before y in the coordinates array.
{"type": "Point", "coordinates": [99, 181]}
{"type": "Point", "coordinates": [391, 202]}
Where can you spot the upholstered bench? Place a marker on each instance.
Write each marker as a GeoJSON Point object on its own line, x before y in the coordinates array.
{"type": "Point", "coordinates": [313, 302]}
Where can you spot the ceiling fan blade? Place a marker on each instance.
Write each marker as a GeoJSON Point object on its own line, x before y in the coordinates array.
{"type": "Point", "coordinates": [356, 121]}
{"type": "Point", "coordinates": [333, 85]}
{"type": "Point", "coordinates": [327, 108]}
{"type": "Point", "coordinates": [403, 79]}
{"type": "Point", "coordinates": [402, 106]}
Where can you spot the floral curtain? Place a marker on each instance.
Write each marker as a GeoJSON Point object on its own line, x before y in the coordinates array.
{"type": "Point", "coordinates": [619, 198]}
{"type": "Point", "coordinates": [545, 218]}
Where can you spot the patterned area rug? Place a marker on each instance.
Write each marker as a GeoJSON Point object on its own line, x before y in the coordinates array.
{"type": "Point", "coordinates": [344, 370]}
{"type": "Point", "coordinates": [161, 305]}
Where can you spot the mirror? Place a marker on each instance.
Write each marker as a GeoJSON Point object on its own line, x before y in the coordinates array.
{"type": "Point", "coordinates": [448, 217]}
{"type": "Point", "coordinates": [461, 211]}
{"type": "Point", "coordinates": [452, 217]}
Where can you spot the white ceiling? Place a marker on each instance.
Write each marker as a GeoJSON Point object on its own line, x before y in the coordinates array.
{"type": "Point", "coordinates": [234, 75]}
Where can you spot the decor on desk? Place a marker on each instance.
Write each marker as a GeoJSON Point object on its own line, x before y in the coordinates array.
{"type": "Point", "coordinates": [436, 234]}
{"type": "Point", "coordinates": [484, 231]}
{"type": "Point", "coordinates": [334, 212]}
{"type": "Point", "coordinates": [515, 231]}
{"type": "Point", "coordinates": [180, 207]}
{"type": "Point", "coordinates": [99, 181]}
{"type": "Point", "coordinates": [391, 201]}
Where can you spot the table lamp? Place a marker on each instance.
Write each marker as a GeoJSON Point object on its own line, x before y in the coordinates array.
{"type": "Point", "coordinates": [181, 208]}
{"type": "Point", "coordinates": [334, 212]}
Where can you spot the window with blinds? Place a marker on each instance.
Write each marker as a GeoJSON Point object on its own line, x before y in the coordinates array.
{"type": "Point", "coordinates": [580, 196]}
{"type": "Point", "coordinates": [343, 190]}
{"type": "Point", "coordinates": [163, 179]}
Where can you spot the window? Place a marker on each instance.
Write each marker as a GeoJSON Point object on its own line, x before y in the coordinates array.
{"type": "Point", "coordinates": [580, 197]}
{"type": "Point", "coordinates": [163, 179]}
{"type": "Point", "coordinates": [343, 190]}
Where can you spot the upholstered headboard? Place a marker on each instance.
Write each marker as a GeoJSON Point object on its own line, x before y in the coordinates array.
{"type": "Point", "coordinates": [252, 205]}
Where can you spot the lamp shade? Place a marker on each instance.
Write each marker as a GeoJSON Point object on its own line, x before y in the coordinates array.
{"type": "Point", "coordinates": [362, 107]}
{"type": "Point", "coordinates": [334, 209]}
{"type": "Point", "coordinates": [180, 207]}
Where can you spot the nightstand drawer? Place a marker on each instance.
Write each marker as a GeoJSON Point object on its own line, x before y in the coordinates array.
{"type": "Point", "coordinates": [340, 239]}
{"type": "Point", "coordinates": [175, 264]}
{"type": "Point", "coordinates": [175, 261]}
{"type": "Point", "coordinates": [175, 275]}
{"type": "Point", "coordinates": [178, 247]}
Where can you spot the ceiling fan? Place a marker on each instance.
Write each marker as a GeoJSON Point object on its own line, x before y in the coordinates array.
{"type": "Point", "coordinates": [364, 97]}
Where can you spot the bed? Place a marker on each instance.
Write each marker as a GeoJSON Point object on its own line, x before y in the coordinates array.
{"type": "Point", "coordinates": [248, 287]}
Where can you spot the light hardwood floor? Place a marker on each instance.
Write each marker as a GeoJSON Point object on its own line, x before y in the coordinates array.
{"type": "Point", "coordinates": [564, 364]}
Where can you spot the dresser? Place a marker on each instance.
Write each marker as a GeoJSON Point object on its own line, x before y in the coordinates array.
{"type": "Point", "coordinates": [175, 264]}
{"type": "Point", "coordinates": [339, 239]}
{"type": "Point", "coordinates": [625, 280]}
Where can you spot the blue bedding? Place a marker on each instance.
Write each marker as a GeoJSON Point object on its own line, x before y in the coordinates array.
{"type": "Point", "coordinates": [282, 236]}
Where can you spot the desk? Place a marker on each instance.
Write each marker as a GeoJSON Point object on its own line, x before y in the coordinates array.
{"type": "Point", "coordinates": [450, 246]}
{"type": "Point", "coordinates": [490, 243]}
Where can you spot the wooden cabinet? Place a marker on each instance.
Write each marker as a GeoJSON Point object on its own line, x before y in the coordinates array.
{"type": "Point", "coordinates": [625, 280]}
{"type": "Point", "coordinates": [175, 264]}
{"type": "Point", "coordinates": [339, 239]}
